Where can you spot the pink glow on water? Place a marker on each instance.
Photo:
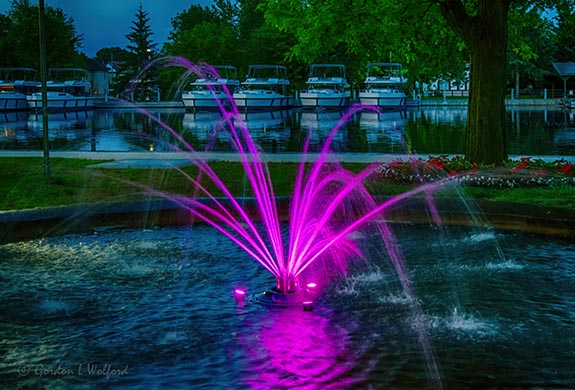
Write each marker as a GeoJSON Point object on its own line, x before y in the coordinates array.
{"type": "Point", "coordinates": [304, 351]}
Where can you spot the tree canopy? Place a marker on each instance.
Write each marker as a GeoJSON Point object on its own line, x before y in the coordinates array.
{"type": "Point", "coordinates": [19, 37]}
{"type": "Point", "coordinates": [432, 39]}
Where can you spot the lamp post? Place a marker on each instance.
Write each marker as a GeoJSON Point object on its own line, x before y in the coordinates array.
{"type": "Point", "coordinates": [44, 77]}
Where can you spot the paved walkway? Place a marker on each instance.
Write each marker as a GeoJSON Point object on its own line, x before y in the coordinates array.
{"type": "Point", "coordinates": [171, 159]}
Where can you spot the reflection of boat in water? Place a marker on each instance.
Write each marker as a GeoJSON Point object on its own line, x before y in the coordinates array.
{"type": "Point", "coordinates": [15, 84]}
{"type": "Point", "coordinates": [319, 125]}
{"type": "Point", "coordinates": [383, 121]}
{"type": "Point", "coordinates": [26, 130]}
{"type": "Point", "coordinates": [68, 89]}
{"type": "Point", "coordinates": [61, 121]}
{"type": "Point", "coordinates": [327, 86]}
{"type": "Point", "coordinates": [384, 127]}
{"type": "Point", "coordinates": [13, 118]}
{"type": "Point", "coordinates": [322, 121]}
{"type": "Point", "coordinates": [255, 121]}
{"type": "Point", "coordinates": [265, 87]}
{"type": "Point", "coordinates": [262, 126]}
{"type": "Point", "coordinates": [194, 121]}
{"type": "Point", "coordinates": [207, 92]}
{"type": "Point", "coordinates": [204, 125]}
{"type": "Point", "coordinates": [564, 141]}
{"type": "Point", "coordinates": [268, 128]}
{"type": "Point", "coordinates": [13, 124]}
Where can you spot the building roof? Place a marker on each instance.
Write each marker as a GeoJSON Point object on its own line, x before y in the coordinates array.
{"type": "Point", "coordinates": [95, 65]}
{"type": "Point", "coordinates": [565, 69]}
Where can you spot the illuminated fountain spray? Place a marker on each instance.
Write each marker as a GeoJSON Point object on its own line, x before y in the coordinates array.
{"type": "Point", "coordinates": [328, 205]}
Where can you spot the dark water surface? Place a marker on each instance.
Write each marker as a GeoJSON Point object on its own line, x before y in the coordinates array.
{"type": "Point", "coordinates": [153, 309]}
{"type": "Point", "coordinates": [441, 130]}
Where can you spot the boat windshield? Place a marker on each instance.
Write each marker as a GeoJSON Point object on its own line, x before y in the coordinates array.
{"type": "Point", "coordinates": [327, 71]}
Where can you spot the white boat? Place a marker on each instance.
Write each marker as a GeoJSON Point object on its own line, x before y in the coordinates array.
{"type": "Point", "coordinates": [383, 86]}
{"type": "Point", "coordinates": [68, 89]}
{"type": "Point", "coordinates": [15, 84]}
{"type": "Point", "coordinates": [327, 87]}
{"type": "Point", "coordinates": [208, 92]}
{"type": "Point", "coordinates": [265, 87]}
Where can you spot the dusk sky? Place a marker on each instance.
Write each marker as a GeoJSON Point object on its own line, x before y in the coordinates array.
{"type": "Point", "coordinates": [105, 23]}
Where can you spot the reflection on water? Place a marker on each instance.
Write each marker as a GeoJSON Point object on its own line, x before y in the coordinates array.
{"type": "Point", "coordinates": [530, 131]}
{"type": "Point", "coordinates": [158, 302]}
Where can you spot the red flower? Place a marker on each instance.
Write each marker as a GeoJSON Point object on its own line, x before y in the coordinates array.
{"type": "Point", "coordinates": [566, 169]}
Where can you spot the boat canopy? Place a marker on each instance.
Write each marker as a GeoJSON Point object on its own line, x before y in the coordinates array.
{"type": "Point", "coordinates": [327, 71]}
{"type": "Point", "coordinates": [271, 72]}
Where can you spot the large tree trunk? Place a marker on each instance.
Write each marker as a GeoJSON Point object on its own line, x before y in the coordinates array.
{"type": "Point", "coordinates": [486, 37]}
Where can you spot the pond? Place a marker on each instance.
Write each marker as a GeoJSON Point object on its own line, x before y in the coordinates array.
{"type": "Point", "coordinates": [144, 309]}
{"type": "Point", "coordinates": [427, 130]}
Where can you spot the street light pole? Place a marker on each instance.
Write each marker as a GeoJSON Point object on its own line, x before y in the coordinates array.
{"type": "Point", "coordinates": [44, 77]}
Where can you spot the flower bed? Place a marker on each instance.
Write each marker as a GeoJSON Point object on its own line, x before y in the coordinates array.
{"type": "Point", "coordinates": [526, 172]}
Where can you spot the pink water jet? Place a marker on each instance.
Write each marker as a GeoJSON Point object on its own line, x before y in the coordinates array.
{"type": "Point", "coordinates": [328, 204]}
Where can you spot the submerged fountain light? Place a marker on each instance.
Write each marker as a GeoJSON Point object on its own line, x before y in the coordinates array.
{"type": "Point", "coordinates": [240, 295]}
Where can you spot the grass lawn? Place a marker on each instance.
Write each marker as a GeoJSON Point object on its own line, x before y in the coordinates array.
{"type": "Point", "coordinates": [24, 186]}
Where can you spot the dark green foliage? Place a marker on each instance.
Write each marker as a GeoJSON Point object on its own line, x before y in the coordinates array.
{"type": "Point", "coordinates": [19, 37]}
{"type": "Point", "coordinates": [141, 45]}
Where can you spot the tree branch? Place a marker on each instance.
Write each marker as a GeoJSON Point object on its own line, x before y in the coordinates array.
{"type": "Point", "coordinates": [457, 18]}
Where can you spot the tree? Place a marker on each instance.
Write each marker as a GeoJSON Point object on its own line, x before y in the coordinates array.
{"type": "Point", "coordinates": [141, 45]}
{"type": "Point", "coordinates": [261, 42]}
{"type": "Point", "coordinates": [481, 25]}
{"type": "Point", "coordinates": [203, 34]}
{"type": "Point", "coordinates": [113, 54]}
{"type": "Point", "coordinates": [565, 21]}
{"type": "Point", "coordinates": [5, 24]}
{"type": "Point", "coordinates": [356, 32]}
{"type": "Point", "coordinates": [19, 37]}
{"type": "Point", "coordinates": [200, 34]}
{"type": "Point", "coordinates": [484, 30]}
{"type": "Point", "coordinates": [233, 33]}
{"type": "Point", "coordinates": [531, 46]}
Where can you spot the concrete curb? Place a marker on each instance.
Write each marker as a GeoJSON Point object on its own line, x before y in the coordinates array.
{"type": "Point", "coordinates": [30, 224]}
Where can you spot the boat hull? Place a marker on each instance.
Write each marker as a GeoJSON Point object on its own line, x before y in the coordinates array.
{"type": "Point", "coordinates": [58, 101]}
{"type": "Point", "coordinates": [387, 100]}
{"type": "Point", "coordinates": [13, 101]}
{"type": "Point", "coordinates": [204, 100]}
{"type": "Point", "coordinates": [324, 99]}
{"type": "Point", "coordinates": [261, 101]}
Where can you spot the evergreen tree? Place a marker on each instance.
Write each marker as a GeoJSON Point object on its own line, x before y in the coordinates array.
{"type": "Point", "coordinates": [141, 45]}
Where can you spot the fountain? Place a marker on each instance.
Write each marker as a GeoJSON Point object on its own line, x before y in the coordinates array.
{"type": "Point", "coordinates": [329, 203]}
{"type": "Point", "coordinates": [152, 308]}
